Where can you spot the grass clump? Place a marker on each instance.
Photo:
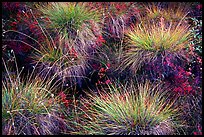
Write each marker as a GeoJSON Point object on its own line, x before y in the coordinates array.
{"type": "Point", "coordinates": [68, 17]}
{"type": "Point", "coordinates": [171, 12]}
{"type": "Point", "coordinates": [146, 41]}
{"type": "Point", "coordinates": [62, 60]}
{"type": "Point", "coordinates": [25, 102]}
{"type": "Point", "coordinates": [138, 110]}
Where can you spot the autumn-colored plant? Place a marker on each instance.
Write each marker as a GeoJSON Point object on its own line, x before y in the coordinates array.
{"type": "Point", "coordinates": [191, 109]}
{"type": "Point", "coordinates": [174, 72]}
{"type": "Point", "coordinates": [119, 17]}
{"type": "Point", "coordinates": [175, 11]}
{"type": "Point", "coordinates": [171, 12]}
{"type": "Point", "coordinates": [77, 21]}
{"type": "Point", "coordinates": [62, 60]}
{"type": "Point", "coordinates": [65, 57]}
{"type": "Point", "coordinates": [129, 110]}
{"type": "Point", "coordinates": [21, 32]}
{"type": "Point", "coordinates": [146, 41]}
{"type": "Point", "coordinates": [68, 17]}
{"type": "Point", "coordinates": [28, 105]}
{"type": "Point", "coordinates": [70, 68]}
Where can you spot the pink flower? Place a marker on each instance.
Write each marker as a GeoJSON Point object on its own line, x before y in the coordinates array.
{"type": "Point", "coordinates": [197, 133]}
{"type": "Point", "coordinates": [35, 23]}
{"type": "Point", "coordinates": [99, 82]}
{"type": "Point", "coordinates": [117, 6]}
{"type": "Point", "coordinates": [164, 62]}
{"type": "Point", "coordinates": [189, 88]}
{"type": "Point", "coordinates": [14, 23]}
{"type": "Point", "coordinates": [199, 128]}
{"type": "Point", "coordinates": [47, 19]}
{"type": "Point", "coordinates": [178, 89]}
{"type": "Point", "coordinates": [73, 51]}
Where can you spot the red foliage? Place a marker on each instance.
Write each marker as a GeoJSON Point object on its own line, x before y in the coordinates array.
{"type": "Point", "coordinates": [96, 66]}
{"type": "Point", "coordinates": [183, 78]}
{"type": "Point", "coordinates": [199, 7]}
{"type": "Point", "coordinates": [63, 99]}
{"type": "Point", "coordinates": [73, 52]}
{"type": "Point", "coordinates": [102, 75]}
{"type": "Point", "coordinates": [108, 81]}
{"type": "Point", "coordinates": [100, 40]}
{"type": "Point", "coordinates": [102, 70]}
{"type": "Point", "coordinates": [108, 65]}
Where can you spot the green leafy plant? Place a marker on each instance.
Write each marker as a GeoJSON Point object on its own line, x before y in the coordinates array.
{"type": "Point", "coordinates": [196, 30]}
{"type": "Point", "coordinates": [146, 41]}
{"type": "Point", "coordinates": [129, 110]}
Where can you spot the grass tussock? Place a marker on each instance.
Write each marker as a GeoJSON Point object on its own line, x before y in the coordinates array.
{"type": "Point", "coordinates": [134, 110]}
{"type": "Point", "coordinates": [25, 102]}
{"type": "Point", "coordinates": [69, 68]}
{"type": "Point", "coordinates": [146, 41]}
{"type": "Point", "coordinates": [68, 17]}
{"type": "Point", "coordinates": [171, 12]}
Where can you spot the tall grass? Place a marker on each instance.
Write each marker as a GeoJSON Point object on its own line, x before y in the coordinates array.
{"type": "Point", "coordinates": [61, 59]}
{"type": "Point", "coordinates": [171, 12]}
{"type": "Point", "coordinates": [191, 109]}
{"type": "Point", "coordinates": [26, 101]}
{"type": "Point", "coordinates": [68, 17]}
{"type": "Point", "coordinates": [146, 41]}
{"type": "Point", "coordinates": [68, 42]}
{"type": "Point", "coordinates": [64, 58]}
{"type": "Point", "coordinates": [135, 110]}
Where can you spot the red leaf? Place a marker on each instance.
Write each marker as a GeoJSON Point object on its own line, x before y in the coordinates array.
{"type": "Point", "coordinates": [102, 70]}
{"type": "Point", "coordinates": [108, 81]}
{"type": "Point", "coordinates": [108, 65]}
{"type": "Point", "coordinates": [62, 95]}
{"type": "Point", "coordinates": [14, 23]}
{"type": "Point", "coordinates": [199, 6]}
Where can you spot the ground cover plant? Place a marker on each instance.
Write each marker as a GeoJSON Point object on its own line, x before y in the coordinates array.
{"type": "Point", "coordinates": [101, 68]}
